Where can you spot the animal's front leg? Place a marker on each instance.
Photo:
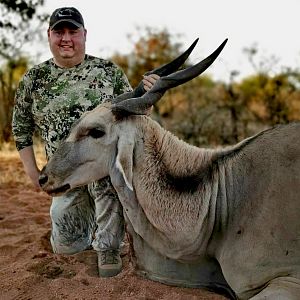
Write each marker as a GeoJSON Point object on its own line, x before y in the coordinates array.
{"type": "Point", "coordinates": [281, 288]}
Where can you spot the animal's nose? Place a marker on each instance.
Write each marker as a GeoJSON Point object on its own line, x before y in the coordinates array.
{"type": "Point", "coordinates": [43, 179]}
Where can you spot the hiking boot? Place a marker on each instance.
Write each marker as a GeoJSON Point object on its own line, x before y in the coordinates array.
{"type": "Point", "coordinates": [109, 263]}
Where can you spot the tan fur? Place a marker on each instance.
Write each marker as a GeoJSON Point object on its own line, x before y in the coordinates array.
{"type": "Point", "coordinates": [239, 205]}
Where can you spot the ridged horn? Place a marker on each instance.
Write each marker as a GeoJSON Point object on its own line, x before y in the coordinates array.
{"type": "Point", "coordinates": [163, 70]}
{"type": "Point", "coordinates": [139, 105]}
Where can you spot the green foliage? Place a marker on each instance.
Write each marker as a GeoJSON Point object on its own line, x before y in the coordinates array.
{"type": "Point", "coordinates": [206, 112]}
{"type": "Point", "coordinates": [152, 48]}
{"type": "Point", "coordinates": [268, 97]}
{"type": "Point", "coordinates": [10, 74]}
{"type": "Point", "coordinates": [202, 111]}
{"type": "Point", "coordinates": [19, 24]}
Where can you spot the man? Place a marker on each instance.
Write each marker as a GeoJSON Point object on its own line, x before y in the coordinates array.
{"type": "Point", "coordinates": [50, 97]}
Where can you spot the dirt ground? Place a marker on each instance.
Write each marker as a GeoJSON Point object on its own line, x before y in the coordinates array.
{"type": "Point", "coordinates": [29, 269]}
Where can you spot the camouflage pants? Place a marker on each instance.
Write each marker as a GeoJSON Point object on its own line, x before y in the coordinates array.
{"type": "Point", "coordinates": [87, 216]}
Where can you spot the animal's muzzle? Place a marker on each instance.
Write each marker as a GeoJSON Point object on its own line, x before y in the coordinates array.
{"type": "Point", "coordinates": [43, 179]}
{"type": "Point", "coordinates": [47, 186]}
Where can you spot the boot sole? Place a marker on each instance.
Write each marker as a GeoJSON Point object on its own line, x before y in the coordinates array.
{"type": "Point", "coordinates": [109, 273]}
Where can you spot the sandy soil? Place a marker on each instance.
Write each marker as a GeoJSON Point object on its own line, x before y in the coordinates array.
{"type": "Point", "coordinates": [29, 269]}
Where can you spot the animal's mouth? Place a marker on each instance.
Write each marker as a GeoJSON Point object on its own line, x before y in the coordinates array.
{"type": "Point", "coordinates": [59, 190]}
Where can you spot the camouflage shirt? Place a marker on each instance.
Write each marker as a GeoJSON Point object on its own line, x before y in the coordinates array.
{"type": "Point", "coordinates": [50, 98]}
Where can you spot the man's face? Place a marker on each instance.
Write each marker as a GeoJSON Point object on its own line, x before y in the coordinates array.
{"type": "Point", "coordinates": [67, 44]}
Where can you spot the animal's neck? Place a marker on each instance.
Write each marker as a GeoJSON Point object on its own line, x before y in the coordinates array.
{"type": "Point", "coordinates": [174, 157]}
{"type": "Point", "coordinates": [170, 182]}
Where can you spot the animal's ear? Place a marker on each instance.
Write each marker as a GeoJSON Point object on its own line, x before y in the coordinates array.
{"type": "Point", "coordinates": [124, 160]}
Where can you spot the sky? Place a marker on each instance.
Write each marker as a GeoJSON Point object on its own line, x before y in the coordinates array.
{"type": "Point", "coordinates": [272, 25]}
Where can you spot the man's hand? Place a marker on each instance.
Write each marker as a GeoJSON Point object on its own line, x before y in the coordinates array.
{"type": "Point", "coordinates": [34, 176]}
{"type": "Point", "coordinates": [149, 81]}
{"type": "Point", "coordinates": [28, 159]}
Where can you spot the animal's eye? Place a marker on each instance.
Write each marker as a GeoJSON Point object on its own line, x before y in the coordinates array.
{"type": "Point", "coordinates": [96, 133]}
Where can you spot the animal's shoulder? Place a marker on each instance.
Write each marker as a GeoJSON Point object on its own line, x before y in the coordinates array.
{"type": "Point", "coordinates": [277, 138]}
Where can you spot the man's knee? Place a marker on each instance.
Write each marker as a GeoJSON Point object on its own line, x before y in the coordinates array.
{"type": "Point", "coordinates": [60, 246]}
{"type": "Point", "coordinates": [73, 222]}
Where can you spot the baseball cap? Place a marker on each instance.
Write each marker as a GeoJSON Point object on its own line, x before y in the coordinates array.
{"type": "Point", "coordinates": [66, 14]}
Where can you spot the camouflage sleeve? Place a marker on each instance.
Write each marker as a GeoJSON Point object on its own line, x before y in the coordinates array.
{"type": "Point", "coordinates": [22, 121]}
{"type": "Point", "coordinates": [121, 83]}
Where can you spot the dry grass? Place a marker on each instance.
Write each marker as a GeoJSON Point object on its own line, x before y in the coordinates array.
{"type": "Point", "coordinates": [12, 174]}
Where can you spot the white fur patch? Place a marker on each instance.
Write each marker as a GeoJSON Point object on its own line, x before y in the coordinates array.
{"type": "Point", "coordinates": [120, 168]}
